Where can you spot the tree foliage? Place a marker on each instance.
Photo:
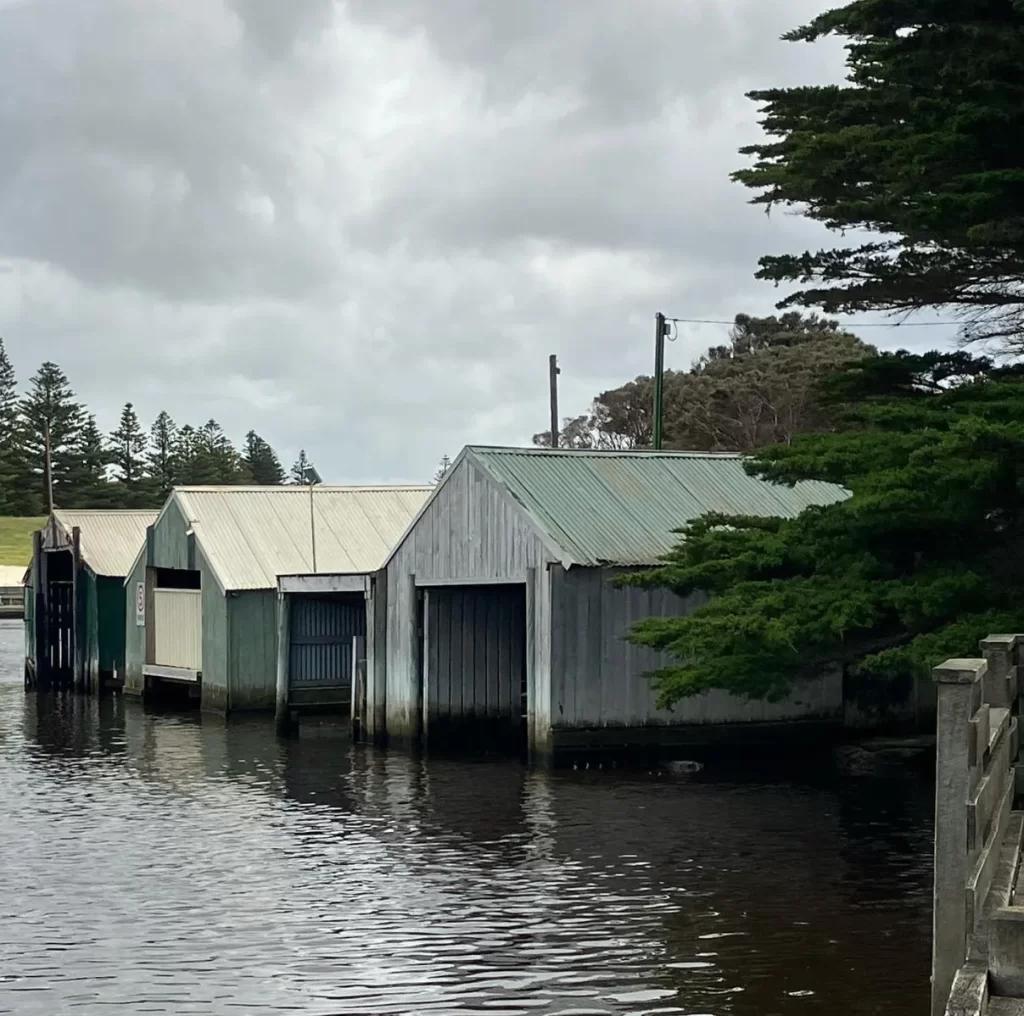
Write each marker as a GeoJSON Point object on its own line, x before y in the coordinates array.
{"type": "Point", "coordinates": [924, 557]}
{"type": "Point", "coordinates": [127, 469]}
{"type": "Point", "coordinates": [87, 484]}
{"type": "Point", "coordinates": [161, 458]}
{"type": "Point", "coordinates": [261, 461]}
{"type": "Point", "coordinates": [442, 469]}
{"type": "Point", "coordinates": [128, 444]}
{"type": "Point", "coordinates": [922, 147]}
{"type": "Point", "coordinates": [301, 468]}
{"type": "Point", "coordinates": [13, 466]}
{"type": "Point", "coordinates": [50, 408]}
{"type": "Point", "coordinates": [758, 388]}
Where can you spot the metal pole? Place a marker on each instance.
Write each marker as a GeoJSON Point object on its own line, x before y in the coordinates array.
{"type": "Point", "coordinates": [48, 467]}
{"type": "Point", "coordinates": [553, 372]}
{"type": "Point", "coordinates": [312, 526]}
{"type": "Point", "coordinates": [659, 376]}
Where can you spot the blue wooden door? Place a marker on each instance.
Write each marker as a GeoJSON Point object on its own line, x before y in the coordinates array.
{"type": "Point", "coordinates": [321, 640]}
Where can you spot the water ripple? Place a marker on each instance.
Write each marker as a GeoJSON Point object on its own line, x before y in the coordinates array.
{"type": "Point", "coordinates": [162, 865]}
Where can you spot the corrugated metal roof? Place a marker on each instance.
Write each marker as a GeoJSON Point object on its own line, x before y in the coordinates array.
{"type": "Point", "coordinates": [622, 507]}
{"type": "Point", "coordinates": [11, 575]}
{"type": "Point", "coordinates": [250, 535]}
{"type": "Point", "coordinates": [111, 540]}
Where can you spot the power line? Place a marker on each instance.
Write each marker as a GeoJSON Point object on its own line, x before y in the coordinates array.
{"type": "Point", "coordinates": [840, 324]}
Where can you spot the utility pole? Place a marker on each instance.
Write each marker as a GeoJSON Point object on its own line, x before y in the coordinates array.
{"type": "Point", "coordinates": [312, 526]}
{"type": "Point", "coordinates": [312, 477]}
{"type": "Point", "coordinates": [48, 467]}
{"type": "Point", "coordinates": [660, 331]}
{"type": "Point", "coordinates": [553, 372]}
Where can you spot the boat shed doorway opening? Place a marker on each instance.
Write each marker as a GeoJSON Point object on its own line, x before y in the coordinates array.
{"type": "Point", "coordinates": [56, 620]}
{"type": "Point", "coordinates": [323, 630]}
{"type": "Point", "coordinates": [474, 675]}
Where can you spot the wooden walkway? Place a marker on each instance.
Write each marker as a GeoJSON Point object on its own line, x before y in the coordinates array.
{"type": "Point", "coordinates": [978, 918]}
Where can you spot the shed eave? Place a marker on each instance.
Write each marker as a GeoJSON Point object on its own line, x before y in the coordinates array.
{"type": "Point", "coordinates": [337, 582]}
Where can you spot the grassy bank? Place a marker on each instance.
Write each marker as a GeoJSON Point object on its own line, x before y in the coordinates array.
{"type": "Point", "coordinates": [16, 539]}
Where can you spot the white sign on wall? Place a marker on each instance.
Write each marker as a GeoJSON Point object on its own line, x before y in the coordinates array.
{"type": "Point", "coordinates": [140, 604]}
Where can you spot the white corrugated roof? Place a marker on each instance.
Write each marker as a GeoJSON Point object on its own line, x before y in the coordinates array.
{"type": "Point", "coordinates": [111, 540]}
{"type": "Point", "coordinates": [250, 535]}
{"type": "Point", "coordinates": [11, 575]}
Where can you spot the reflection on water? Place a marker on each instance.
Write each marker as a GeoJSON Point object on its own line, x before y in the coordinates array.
{"type": "Point", "coordinates": [168, 865]}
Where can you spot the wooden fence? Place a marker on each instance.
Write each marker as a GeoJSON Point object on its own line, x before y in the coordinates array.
{"type": "Point", "coordinates": [977, 932]}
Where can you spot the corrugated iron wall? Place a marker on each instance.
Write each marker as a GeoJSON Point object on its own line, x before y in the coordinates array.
{"type": "Point", "coordinates": [599, 679]}
{"type": "Point", "coordinates": [251, 650]}
{"type": "Point", "coordinates": [321, 640]}
{"type": "Point", "coordinates": [471, 532]}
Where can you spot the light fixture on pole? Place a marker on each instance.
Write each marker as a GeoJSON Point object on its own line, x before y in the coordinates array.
{"type": "Point", "coordinates": [312, 477]}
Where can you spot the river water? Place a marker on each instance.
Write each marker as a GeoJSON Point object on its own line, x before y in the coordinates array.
{"type": "Point", "coordinates": [157, 864]}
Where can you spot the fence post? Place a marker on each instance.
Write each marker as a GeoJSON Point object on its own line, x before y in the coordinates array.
{"type": "Point", "coordinates": [999, 652]}
{"type": "Point", "coordinates": [959, 697]}
{"type": "Point", "coordinates": [357, 715]}
{"type": "Point", "coordinates": [282, 717]}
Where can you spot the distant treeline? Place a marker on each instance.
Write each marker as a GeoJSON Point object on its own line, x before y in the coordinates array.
{"type": "Point", "coordinates": [128, 468]}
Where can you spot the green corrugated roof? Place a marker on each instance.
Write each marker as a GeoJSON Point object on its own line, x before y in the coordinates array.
{"type": "Point", "coordinates": [622, 507]}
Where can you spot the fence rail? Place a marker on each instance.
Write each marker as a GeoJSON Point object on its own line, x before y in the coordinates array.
{"type": "Point", "coordinates": [977, 933]}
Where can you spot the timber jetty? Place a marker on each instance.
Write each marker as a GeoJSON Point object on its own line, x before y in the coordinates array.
{"type": "Point", "coordinates": [12, 592]}
{"type": "Point", "coordinates": [978, 915]}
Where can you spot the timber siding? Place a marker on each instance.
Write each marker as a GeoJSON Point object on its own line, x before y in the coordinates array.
{"type": "Point", "coordinates": [237, 540]}
{"type": "Point", "coordinates": [252, 649]}
{"type": "Point", "coordinates": [600, 680]}
{"type": "Point", "coordinates": [550, 522]}
{"type": "Point", "coordinates": [167, 546]}
{"type": "Point", "coordinates": [107, 541]}
{"type": "Point", "coordinates": [469, 533]}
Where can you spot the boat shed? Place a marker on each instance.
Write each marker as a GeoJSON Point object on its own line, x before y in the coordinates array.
{"type": "Point", "coordinates": [503, 622]}
{"type": "Point", "coordinates": [202, 610]}
{"type": "Point", "coordinates": [74, 597]}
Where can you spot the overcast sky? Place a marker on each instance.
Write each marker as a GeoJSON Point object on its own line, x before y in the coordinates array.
{"type": "Point", "coordinates": [361, 227]}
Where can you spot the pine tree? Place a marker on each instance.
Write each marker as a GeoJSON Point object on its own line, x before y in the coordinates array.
{"type": "Point", "coordinates": [922, 146]}
{"type": "Point", "coordinates": [446, 464]}
{"type": "Point", "coordinates": [185, 456]}
{"type": "Point", "coordinates": [51, 403]}
{"type": "Point", "coordinates": [128, 457]}
{"type": "Point", "coordinates": [217, 462]}
{"type": "Point", "coordinates": [88, 485]}
{"type": "Point", "coordinates": [262, 463]}
{"type": "Point", "coordinates": [15, 499]}
{"type": "Point", "coordinates": [915, 566]}
{"type": "Point", "coordinates": [301, 468]}
{"type": "Point", "coordinates": [161, 463]}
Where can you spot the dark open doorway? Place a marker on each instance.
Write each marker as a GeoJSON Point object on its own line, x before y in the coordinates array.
{"type": "Point", "coordinates": [474, 668]}
{"type": "Point", "coordinates": [55, 619]}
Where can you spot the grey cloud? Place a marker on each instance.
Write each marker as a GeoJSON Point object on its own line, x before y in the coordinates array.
{"type": "Point", "coordinates": [624, 59]}
{"type": "Point", "coordinates": [275, 28]}
{"type": "Point", "coordinates": [361, 227]}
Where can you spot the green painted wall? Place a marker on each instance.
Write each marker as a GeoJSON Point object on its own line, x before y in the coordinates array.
{"type": "Point", "coordinates": [170, 550]}
{"type": "Point", "coordinates": [170, 544]}
{"type": "Point", "coordinates": [215, 639]}
{"type": "Point", "coordinates": [239, 630]}
{"type": "Point", "coordinates": [110, 623]}
{"type": "Point", "coordinates": [252, 649]}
